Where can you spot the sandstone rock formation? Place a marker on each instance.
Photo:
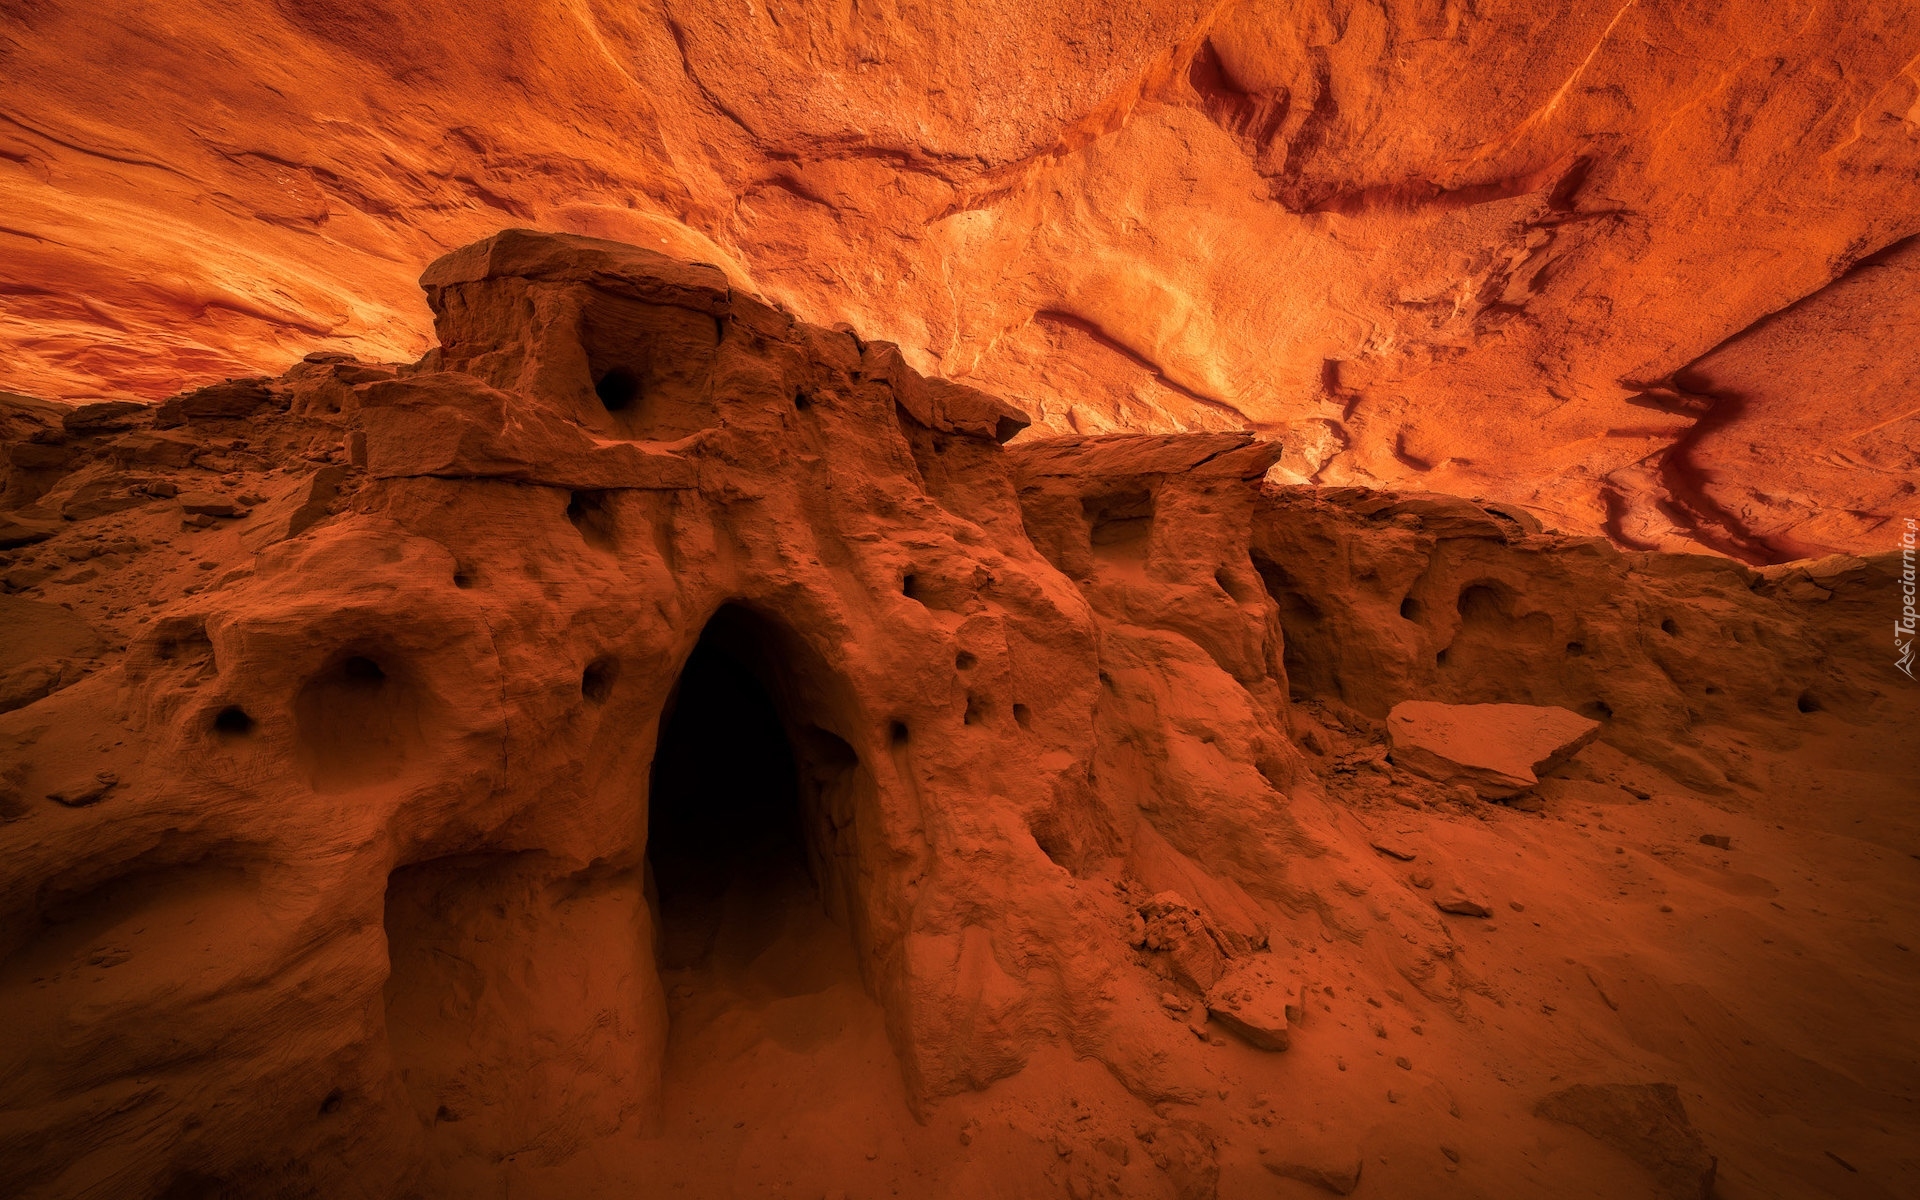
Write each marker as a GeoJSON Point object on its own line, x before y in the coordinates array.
{"type": "Point", "coordinates": [653, 743]}
{"type": "Point", "coordinates": [1644, 268]}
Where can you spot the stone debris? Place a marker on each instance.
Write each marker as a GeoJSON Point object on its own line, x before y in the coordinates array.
{"type": "Point", "coordinates": [1198, 952]}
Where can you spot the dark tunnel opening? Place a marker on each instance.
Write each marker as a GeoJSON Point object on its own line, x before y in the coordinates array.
{"type": "Point", "coordinates": [725, 840]}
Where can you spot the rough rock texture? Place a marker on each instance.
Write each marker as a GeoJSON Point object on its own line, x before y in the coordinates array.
{"type": "Point", "coordinates": [655, 743]}
{"type": "Point", "coordinates": [1644, 267]}
{"type": "Point", "coordinates": [1497, 749]}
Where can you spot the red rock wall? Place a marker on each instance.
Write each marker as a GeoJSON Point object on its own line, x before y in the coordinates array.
{"type": "Point", "coordinates": [1568, 256]}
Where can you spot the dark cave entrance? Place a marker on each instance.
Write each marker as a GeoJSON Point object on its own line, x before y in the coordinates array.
{"type": "Point", "coordinates": [724, 818]}
{"type": "Point", "coordinates": [749, 821]}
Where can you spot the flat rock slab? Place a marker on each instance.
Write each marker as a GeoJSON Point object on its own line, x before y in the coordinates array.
{"type": "Point", "coordinates": [1255, 1003]}
{"type": "Point", "coordinates": [1325, 1168]}
{"type": "Point", "coordinates": [1496, 749]}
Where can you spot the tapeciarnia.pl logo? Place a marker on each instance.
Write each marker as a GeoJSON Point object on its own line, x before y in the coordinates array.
{"type": "Point", "coordinates": [1904, 624]}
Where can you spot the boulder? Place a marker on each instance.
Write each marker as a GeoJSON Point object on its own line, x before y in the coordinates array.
{"type": "Point", "coordinates": [1498, 750]}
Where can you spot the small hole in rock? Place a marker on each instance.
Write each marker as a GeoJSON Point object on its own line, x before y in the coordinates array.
{"type": "Point", "coordinates": [1022, 716]}
{"type": "Point", "coordinates": [802, 401]}
{"type": "Point", "coordinates": [462, 578]}
{"type": "Point", "coordinates": [596, 682]}
{"type": "Point", "coordinates": [1224, 580]}
{"type": "Point", "coordinates": [910, 587]}
{"type": "Point", "coordinates": [1807, 703]}
{"type": "Point", "coordinates": [1052, 839]}
{"type": "Point", "coordinates": [1669, 628]}
{"type": "Point", "coordinates": [363, 671]}
{"type": "Point", "coordinates": [617, 389]}
{"type": "Point", "coordinates": [965, 661]}
{"type": "Point", "coordinates": [234, 720]}
{"type": "Point", "coordinates": [1598, 710]}
{"type": "Point", "coordinates": [592, 514]}
{"type": "Point", "coordinates": [331, 1104]}
{"type": "Point", "coordinates": [898, 732]}
{"type": "Point", "coordinates": [1440, 659]}
{"type": "Point", "coordinates": [1576, 649]}
{"type": "Point", "coordinates": [1713, 691]}
{"type": "Point", "coordinates": [1410, 609]}
{"type": "Point", "coordinates": [976, 710]}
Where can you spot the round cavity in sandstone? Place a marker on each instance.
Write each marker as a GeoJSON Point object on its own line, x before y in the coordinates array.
{"type": "Point", "coordinates": [617, 389]}
{"type": "Point", "coordinates": [233, 721]}
{"type": "Point", "coordinates": [1670, 628]}
{"type": "Point", "coordinates": [965, 661]}
{"type": "Point", "coordinates": [355, 722]}
{"type": "Point", "coordinates": [1410, 609]}
{"type": "Point", "coordinates": [596, 682]}
{"type": "Point", "coordinates": [1483, 604]}
{"type": "Point", "coordinates": [1807, 702]}
{"type": "Point", "coordinates": [910, 586]}
{"type": "Point", "coordinates": [1023, 716]}
{"type": "Point", "coordinates": [898, 732]}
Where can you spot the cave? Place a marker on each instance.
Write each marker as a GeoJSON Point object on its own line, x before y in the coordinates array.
{"type": "Point", "coordinates": [751, 879]}
{"type": "Point", "coordinates": [724, 817]}
{"type": "Point", "coordinates": [739, 834]}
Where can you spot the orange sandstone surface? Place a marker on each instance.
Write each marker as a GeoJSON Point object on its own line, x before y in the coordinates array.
{"type": "Point", "coordinates": [653, 745]}
{"type": "Point", "coordinates": [1644, 268]}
